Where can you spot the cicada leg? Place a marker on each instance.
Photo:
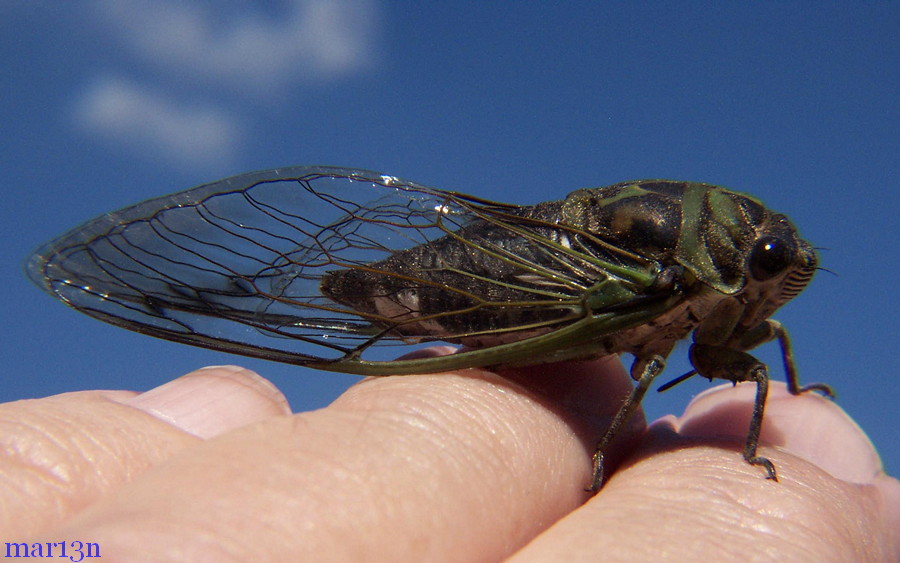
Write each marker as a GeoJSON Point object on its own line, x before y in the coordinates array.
{"type": "Point", "coordinates": [644, 371]}
{"type": "Point", "coordinates": [773, 330]}
{"type": "Point", "coordinates": [717, 362]}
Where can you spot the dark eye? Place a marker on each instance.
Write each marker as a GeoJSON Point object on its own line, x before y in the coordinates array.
{"type": "Point", "coordinates": [770, 257]}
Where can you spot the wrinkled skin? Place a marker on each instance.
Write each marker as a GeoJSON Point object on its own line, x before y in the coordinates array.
{"type": "Point", "coordinates": [472, 466]}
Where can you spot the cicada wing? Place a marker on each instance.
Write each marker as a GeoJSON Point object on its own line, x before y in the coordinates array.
{"type": "Point", "coordinates": [313, 265]}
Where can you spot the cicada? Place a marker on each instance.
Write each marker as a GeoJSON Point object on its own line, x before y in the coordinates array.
{"type": "Point", "coordinates": [322, 266]}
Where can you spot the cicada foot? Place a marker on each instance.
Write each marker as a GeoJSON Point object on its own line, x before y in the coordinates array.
{"type": "Point", "coordinates": [825, 389]}
{"type": "Point", "coordinates": [596, 473]}
{"type": "Point", "coordinates": [767, 465]}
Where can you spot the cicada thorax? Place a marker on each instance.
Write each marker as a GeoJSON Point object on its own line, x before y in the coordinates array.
{"type": "Point", "coordinates": [704, 228]}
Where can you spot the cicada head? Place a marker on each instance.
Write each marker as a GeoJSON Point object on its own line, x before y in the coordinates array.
{"type": "Point", "coordinates": [733, 244]}
{"type": "Point", "coordinates": [779, 266]}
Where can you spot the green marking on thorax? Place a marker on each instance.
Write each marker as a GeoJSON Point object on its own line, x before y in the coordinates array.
{"type": "Point", "coordinates": [692, 253]}
{"type": "Point", "coordinates": [726, 211]}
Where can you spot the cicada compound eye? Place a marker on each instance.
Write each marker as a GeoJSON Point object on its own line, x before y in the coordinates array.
{"type": "Point", "coordinates": [770, 257]}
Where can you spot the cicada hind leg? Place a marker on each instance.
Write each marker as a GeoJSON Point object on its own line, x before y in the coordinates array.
{"type": "Point", "coordinates": [644, 371]}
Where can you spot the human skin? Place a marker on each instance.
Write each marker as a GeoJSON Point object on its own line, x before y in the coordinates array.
{"type": "Point", "coordinates": [474, 466]}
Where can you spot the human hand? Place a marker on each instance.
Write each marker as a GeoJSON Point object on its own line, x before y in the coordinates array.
{"type": "Point", "coordinates": [471, 466]}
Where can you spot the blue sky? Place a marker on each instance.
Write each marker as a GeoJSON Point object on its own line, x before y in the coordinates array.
{"type": "Point", "coordinates": [106, 103]}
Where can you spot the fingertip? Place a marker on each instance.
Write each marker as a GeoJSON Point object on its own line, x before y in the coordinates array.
{"type": "Point", "coordinates": [889, 488]}
{"type": "Point", "coordinates": [591, 389]}
{"type": "Point", "coordinates": [588, 395]}
{"type": "Point", "coordinates": [808, 426]}
{"type": "Point", "coordinates": [213, 400]}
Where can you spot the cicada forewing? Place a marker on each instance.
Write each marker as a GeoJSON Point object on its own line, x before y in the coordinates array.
{"type": "Point", "coordinates": [322, 266]}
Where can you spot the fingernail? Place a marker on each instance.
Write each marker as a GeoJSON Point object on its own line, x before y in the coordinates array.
{"type": "Point", "coordinates": [213, 400]}
{"type": "Point", "coordinates": [807, 425]}
{"type": "Point", "coordinates": [430, 352]}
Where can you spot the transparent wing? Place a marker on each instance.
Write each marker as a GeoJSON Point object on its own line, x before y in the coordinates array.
{"type": "Point", "coordinates": [313, 265]}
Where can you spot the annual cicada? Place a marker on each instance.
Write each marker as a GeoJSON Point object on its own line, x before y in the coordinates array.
{"type": "Point", "coordinates": [321, 267]}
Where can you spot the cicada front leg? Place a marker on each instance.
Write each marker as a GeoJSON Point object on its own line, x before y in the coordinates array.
{"type": "Point", "coordinates": [773, 330]}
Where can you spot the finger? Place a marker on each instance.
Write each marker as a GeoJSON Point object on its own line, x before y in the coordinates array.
{"type": "Point", "coordinates": [213, 400]}
{"type": "Point", "coordinates": [694, 496]}
{"type": "Point", "coordinates": [409, 468]}
{"type": "Point", "coordinates": [806, 425]}
{"type": "Point", "coordinates": [62, 453]}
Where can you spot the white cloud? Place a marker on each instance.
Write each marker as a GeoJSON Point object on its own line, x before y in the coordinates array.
{"type": "Point", "coordinates": [190, 134]}
{"type": "Point", "coordinates": [191, 51]}
{"type": "Point", "coordinates": [309, 41]}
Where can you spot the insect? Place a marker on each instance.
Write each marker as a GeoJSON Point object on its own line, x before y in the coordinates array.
{"type": "Point", "coordinates": [323, 266]}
